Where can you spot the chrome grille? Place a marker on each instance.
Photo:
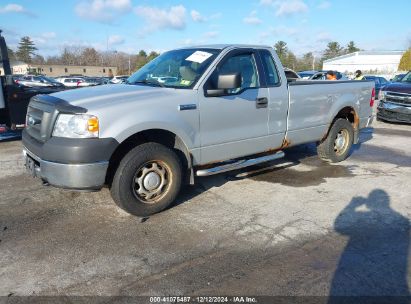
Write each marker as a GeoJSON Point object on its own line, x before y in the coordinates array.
{"type": "Point", "coordinates": [40, 119]}
{"type": "Point", "coordinates": [398, 98]}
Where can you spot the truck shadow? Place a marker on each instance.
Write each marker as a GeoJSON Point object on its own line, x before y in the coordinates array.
{"type": "Point", "coordinates": [375, 259]}
{"type": "Point", "coordinates": [282, 171]}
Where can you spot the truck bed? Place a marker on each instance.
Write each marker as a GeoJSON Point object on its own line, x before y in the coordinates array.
{"type": "Point", "coordinates": [311, 113]}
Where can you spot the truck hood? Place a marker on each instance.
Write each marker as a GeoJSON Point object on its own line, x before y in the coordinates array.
{"type": "Point", "coordinates": [399, 87]}
{"type": "Point", "coordinates": [96, 97]}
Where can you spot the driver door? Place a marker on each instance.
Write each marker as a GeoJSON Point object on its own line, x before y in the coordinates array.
{"type": "Point", "coordinates": [236, 123]}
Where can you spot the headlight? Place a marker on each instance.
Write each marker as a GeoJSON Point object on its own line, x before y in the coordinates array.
{"type": "Point", "coordinates": [381, 95]}
{"type": "Point", "coordinates": [76, 126]}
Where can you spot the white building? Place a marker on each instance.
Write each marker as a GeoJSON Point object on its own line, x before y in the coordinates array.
{"type": "Point", "coordinates": [17, 67]}
{"type": "Point", "coordinates": [53, 70]}
{"type": "Point", "coordinates": [378, 62]}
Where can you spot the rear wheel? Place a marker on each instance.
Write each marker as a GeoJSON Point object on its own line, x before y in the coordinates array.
{"type": "Point", "coordinates": [147, 180]}
{"type": "Point", "coordinates": [337, 144]}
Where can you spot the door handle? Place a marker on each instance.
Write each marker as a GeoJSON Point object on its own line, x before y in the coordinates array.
{"type": "Point", "coordinates": [185, 107]}
{"type": "Point", "coordinates": [261, 102]}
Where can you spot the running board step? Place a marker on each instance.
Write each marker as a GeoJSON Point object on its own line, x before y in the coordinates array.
{"type": "Point", "coordinates": [240, 164]}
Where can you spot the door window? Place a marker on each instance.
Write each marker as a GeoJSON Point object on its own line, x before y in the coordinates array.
{"type": "Point", "coordinates": [270, 69]}
{"type": "Point", "coordinates": [246, 66]}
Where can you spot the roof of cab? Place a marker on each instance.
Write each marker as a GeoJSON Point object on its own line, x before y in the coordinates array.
{"type": "Point", "coordinates": [224, 46]}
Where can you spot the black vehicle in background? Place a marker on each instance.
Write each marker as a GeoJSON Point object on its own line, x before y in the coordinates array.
{"type": "Point", "coordinates": [15, 97]}
{"type": "Point", "coordinates": [380, 82]}
{"type": "Point", "coordinates": [395, 101]}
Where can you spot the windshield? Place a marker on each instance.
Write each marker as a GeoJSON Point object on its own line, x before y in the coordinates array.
{"type": "Point", "coordinates": [175, 69]}
{"type": "Point", "coordinates": [406, 78]}
{"type": "Point", "coordinates": [397, 77]}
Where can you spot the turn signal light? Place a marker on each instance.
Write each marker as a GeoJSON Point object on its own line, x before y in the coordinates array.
{"type": "Point", "coordinates": [93, 124]}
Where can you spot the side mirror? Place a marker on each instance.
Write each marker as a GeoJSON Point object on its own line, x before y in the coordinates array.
{"type": "Point", "coordinates": [225, 82]}
{"type": "Point", "coordinates": [229, 81]}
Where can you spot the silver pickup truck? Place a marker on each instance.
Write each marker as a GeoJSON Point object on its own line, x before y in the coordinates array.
{"type": "Point", "coordinates": [193, 111]}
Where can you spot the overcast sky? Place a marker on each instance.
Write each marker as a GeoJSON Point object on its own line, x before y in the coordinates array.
{"type": "Point", "coordinates": [131, 25]}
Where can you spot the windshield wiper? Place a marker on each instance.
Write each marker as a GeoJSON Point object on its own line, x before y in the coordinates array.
{"type": "Point", "coordinates": [149, 82]}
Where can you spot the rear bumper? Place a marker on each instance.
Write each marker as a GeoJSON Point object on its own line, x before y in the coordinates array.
{"type": "Point", "coordinates": [90, 176]}
{"type": "Point", "coordinates": [366, 122]}
{"type": "Point", "coordinates": [363, 123]}
{"type": "Point", "coordinates": [394, 112]}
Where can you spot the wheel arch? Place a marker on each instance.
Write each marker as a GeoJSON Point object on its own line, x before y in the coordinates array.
{"type": "Point", "coordinates": [350, 114]}
{"type": "Point", "coordinates": [161, 136]}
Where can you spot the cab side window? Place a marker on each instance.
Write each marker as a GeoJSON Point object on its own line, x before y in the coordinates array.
{"type": "Point", "coordinates": [269, 68]}
{"type": "Point", "coordinates": [245, 65]}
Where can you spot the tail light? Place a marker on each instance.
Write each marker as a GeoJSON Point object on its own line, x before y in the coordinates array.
{"type": "Point", "coordinates": [372, 98]}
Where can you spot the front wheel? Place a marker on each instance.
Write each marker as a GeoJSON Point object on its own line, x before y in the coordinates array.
{"type": "Point", "coordinates": [147, 180]}
{"type": "Point", "coordinates": [337, 144]}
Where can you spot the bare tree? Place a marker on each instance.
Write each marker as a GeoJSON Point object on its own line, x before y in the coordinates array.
{"type": "Point", "coordinates": [80, 55]}
{"type": "Point", "coordinates": [90, 56]}
{"type": "Point", "coordinates": [38, 59]}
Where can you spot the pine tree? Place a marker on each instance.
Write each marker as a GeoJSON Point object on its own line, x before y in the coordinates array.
{"type": "Point", "coordinates": [290, 60]}
{"type": "Point", "coordinates": [307, 62]}
{"type": "Point", "coordinates": [26, 49]}
{"type": "Point", "coordinates": [334, 49]}
{"type": "Point", "coordinates": [11, 54]}
{"type": "Point", "coordinates": [152, 55]}
{"type": "Point", "coordinates": [351, 48]}
{"type": "Point", "coordinates": [282, 50]}
{"type": "Point", "coordinates": [142, 53]}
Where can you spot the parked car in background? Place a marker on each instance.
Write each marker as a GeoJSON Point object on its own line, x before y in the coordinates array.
{"type": "Point", "coordinates": [291, 75]}
{"type": "Point", "coordinates": [92, 81]}
{"type": "Point", "coordinates": [16, 77]}
{"type": "Point", "coordinates": [306, 74]}
{"type": "Point", "coordinates": [98, 80]}
{"type": "Point", "coordinates": [395, 101]}
{"type": "Point", "coordinates": [75, 82]}
{"type": "Point", "coordinates": [380, 82]}
{"type": "Point", "coordinates": [397, 77]}
{"type": "Point", "coordinates": [119, 79]}
{"type": "Point", "coordinates": [37, 81]}
{"type": "Point", "coordinates": [320, 75]}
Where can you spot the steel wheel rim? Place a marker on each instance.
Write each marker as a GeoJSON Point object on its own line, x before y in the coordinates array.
{"type": "Point", "coordinates": [341, 141]}
{"type": "Point", "coordinates": [151, 181]}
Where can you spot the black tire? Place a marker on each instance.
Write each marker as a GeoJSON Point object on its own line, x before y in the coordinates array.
{"type": "Point", "coordinates": [331, 150]}
{"type": "Point", "coordinates": [142, 168]}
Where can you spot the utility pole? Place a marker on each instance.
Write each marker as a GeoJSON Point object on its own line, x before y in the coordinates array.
{"type": "Point", "coordinates": [129, 64]}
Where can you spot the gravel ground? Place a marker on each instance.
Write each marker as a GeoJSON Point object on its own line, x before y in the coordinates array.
{"type": "Point", "coordinates": [295, 227]}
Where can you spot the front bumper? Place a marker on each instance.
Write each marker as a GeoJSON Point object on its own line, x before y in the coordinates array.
{"type": "Point", "coordinates": [394, 112]}
{"type": "Point", "coordinates": [90, 176]}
